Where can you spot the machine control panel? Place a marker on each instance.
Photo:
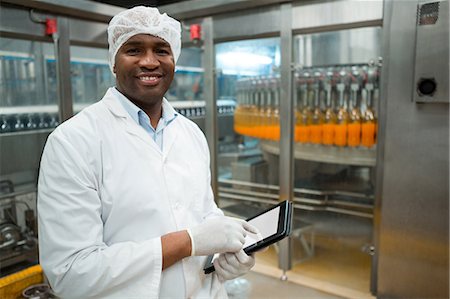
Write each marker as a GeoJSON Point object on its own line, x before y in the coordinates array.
{"type": "Point", "coordinates": [432, 53]}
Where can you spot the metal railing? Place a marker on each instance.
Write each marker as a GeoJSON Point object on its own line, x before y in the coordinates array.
{"type": "Point", "coordinates": [305, 199]}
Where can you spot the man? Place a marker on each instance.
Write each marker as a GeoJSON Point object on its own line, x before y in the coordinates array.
{"type": "Point", "coordinates": [124, 197]}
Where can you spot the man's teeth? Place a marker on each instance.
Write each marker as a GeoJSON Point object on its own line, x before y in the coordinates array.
{"type": "Point", "coordinates": [148, 78]}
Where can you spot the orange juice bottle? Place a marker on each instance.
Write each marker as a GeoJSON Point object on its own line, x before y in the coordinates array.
{"type": "Point", "coordinates": [274, 122]}
{"type": "Point", "coordinates": [354, 126]}
{"type": "Point", "coordinates": [369, 121]}
{"type": "Point", "coordinates": [304, 118]}
{"type": "Point", "coordinates": [253, 110]}
{"type": "Point", "coordinates": [317, 118]}
{"type": "Point", "coordinates": [264, 109]}
{"type": "Point", "coordinates": [340, 130]}
{"type": "Point", "coordinates": [238, 111]}
{"type": "Point", "coordinates": [329, 121]}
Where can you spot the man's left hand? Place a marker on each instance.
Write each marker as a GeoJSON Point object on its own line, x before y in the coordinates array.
{"type": "Point", "coordinates": [231, 265]}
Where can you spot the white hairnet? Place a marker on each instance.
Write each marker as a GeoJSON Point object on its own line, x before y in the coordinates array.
{"type": "Point", "coordinates": [142, 20]}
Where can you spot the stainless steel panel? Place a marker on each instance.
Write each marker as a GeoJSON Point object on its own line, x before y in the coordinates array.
{"type": "Point", "coordinates": [286, 127]}
{"type": "Point", "coordinates": [432, 54]}
{"type": "Point", "coordinates": [350, 46]}
{"type": "Point", "coordinates": [88, 33]}
{"type": "Point", "coordinates": [210, 99]}
{"type": "Point", "coordinates": [17, 22]}
{"type": "Point", "coordinates": [20, 153]}
{"type": "Point", "coordinates": [198, 8]}
{"type": "Point", "coordinates": [79, 8]}
{"type": "Point", "coordinates": [259, 22]}
{"type": "Point", "coordinates": [335, 14]}
{"type": "Point", "coordinates": [412, 206]}
{"type": "Point", "coordinates": [63, 67]}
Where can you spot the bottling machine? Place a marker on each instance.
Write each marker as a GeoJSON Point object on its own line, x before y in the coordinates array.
{"type": "Point", "coordinates": [337, 106]}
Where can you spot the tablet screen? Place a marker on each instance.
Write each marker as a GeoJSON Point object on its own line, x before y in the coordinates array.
{"type": "Point", "coordinates": [273, 225]}
{"type": "Point", "coordinates": [267, 224]}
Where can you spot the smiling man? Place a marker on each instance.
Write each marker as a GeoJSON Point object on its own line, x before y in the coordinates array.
{"type": "Point", "coordinates": [124, 198]}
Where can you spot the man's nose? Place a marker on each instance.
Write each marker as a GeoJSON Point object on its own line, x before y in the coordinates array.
{"type": "Point", "coordinates": [149, 60]}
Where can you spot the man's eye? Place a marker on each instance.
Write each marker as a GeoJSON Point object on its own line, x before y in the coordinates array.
{"type": "Point", "coordinates": [163, 51]}
{"type": "Point", "coordinates": [132, 51]}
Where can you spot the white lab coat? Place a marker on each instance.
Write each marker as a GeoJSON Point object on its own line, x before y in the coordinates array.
{"type": "Point", "coordinates": [107, 193]}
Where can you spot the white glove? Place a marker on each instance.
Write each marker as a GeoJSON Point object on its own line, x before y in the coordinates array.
{"type": "Point", "coordinates": [218, 235]}
{"type": "Point", "coordinates": [231, 265]}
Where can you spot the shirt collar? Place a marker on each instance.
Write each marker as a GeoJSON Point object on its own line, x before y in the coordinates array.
{"type": "Point", "coordinates": [168, 112]}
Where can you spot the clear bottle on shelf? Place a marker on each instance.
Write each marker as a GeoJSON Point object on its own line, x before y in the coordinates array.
{"type": "Point", "coordinates": [354, 125]}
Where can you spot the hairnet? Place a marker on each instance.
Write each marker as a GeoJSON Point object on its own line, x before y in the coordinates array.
{"type": "Point", "coordinates": [143, 20]}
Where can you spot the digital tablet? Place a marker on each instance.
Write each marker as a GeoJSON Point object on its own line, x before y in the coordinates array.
{"type": "Point", "coordinates": [273, 224]}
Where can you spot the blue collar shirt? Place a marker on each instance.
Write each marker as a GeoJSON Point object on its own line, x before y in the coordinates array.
{"type": "Point", "coordinates": [142, 119]}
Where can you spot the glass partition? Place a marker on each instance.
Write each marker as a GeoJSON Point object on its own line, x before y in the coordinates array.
{"type": "Point", "coordinates": [90, 75]}
{"type": "Point", "coordinates": [25, 103]}
{"type": "Point", "coordinates": [335, 89]}
{"type": "Point", "coordinates": [248, 79]}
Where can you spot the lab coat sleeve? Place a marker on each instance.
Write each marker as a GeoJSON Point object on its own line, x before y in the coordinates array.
{"type": "Point", "coordinates": [76, 261]}
{"type": "Point", "coordinates": [209, 205]}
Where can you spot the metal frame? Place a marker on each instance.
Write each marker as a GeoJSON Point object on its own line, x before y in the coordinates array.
{"type": "Point", "coordinates": [412, 183]}
{"type": "Point", "coordinates": [62, 52]}
{"type": "Point", "coordinates": [210, 99]}
{"type": "Point", "coordinates": [287, 118]}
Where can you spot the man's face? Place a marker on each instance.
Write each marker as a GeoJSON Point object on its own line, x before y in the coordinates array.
{"type": "Point", "coordinates": [144, 69]}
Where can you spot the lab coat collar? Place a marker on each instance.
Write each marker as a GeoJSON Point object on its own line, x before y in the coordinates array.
{"type": "Point", "coordinates": [112, 102]}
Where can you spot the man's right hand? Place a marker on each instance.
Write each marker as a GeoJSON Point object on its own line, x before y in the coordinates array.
{"type": "Point", "coordinates": [219, 235]}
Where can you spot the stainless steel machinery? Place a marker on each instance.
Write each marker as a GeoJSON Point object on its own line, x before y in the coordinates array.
{"type": "Point", "coordinates": [339, 106]}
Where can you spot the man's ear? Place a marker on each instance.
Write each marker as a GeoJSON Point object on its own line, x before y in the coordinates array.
{"type": "Point", "coordinates": [114, 68]}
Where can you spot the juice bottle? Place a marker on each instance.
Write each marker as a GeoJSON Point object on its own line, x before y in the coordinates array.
{"type": "Point", "coordinates": [259, 117]}
{"type": "Point", "coordinates": [253, 110]}
{"type": "Point", "coordinates": [304, 119]}
{"type": "Point", "coordinates": [265, 111]}
{"type": "Point", "coordinates": [354, 126]}
{"type": "Point", "coordinates": [274, 125]}
{"type": "Point", "coordinates": [340, 130]}
{"type": "Point", "coordinates": [238, 110]}
{"type": "Point", "coordinates": [317, 118]}
{"type": "Point", "coordinates": [329, 121]}
{"type": "Point", "coordinates": [369, 122]}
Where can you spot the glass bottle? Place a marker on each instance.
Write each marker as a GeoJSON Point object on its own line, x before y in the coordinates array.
{"type": "Point", "coordinates": [317, 117]}
{"type": "Point", "coordinates": [260, 119]}
{"type": "Point", "coordinates": [369, 122]}
{"type": "Point", "coordinates": [304, 120]}
{"type": "Point", "coordinates": [354, 126]}
{"type": "Point", "coordinates": [329, 121]}
{"type": "Point", "coordinates": [340, 130]}
{"type": "Point", "coordinates": [253, 109]}
{"type": "Point", "coordinates": [266, 125]}
{"type": "Point", "coordinates": [274, 127]}
{"type": "Point", "coordinates": [239, 104]}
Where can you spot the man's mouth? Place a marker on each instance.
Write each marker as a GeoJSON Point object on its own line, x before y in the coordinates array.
{"type": "Point", "coordinates": [150, 80]}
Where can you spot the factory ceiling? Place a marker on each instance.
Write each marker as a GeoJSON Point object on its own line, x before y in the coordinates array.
{"type": "Point", "coordinates": [132, 3]}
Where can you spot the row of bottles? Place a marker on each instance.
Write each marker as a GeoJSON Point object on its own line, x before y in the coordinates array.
{"type": "Point", "coordinates": [334, 106]}
{"type": "Point", "coordinates": [27, 121]}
